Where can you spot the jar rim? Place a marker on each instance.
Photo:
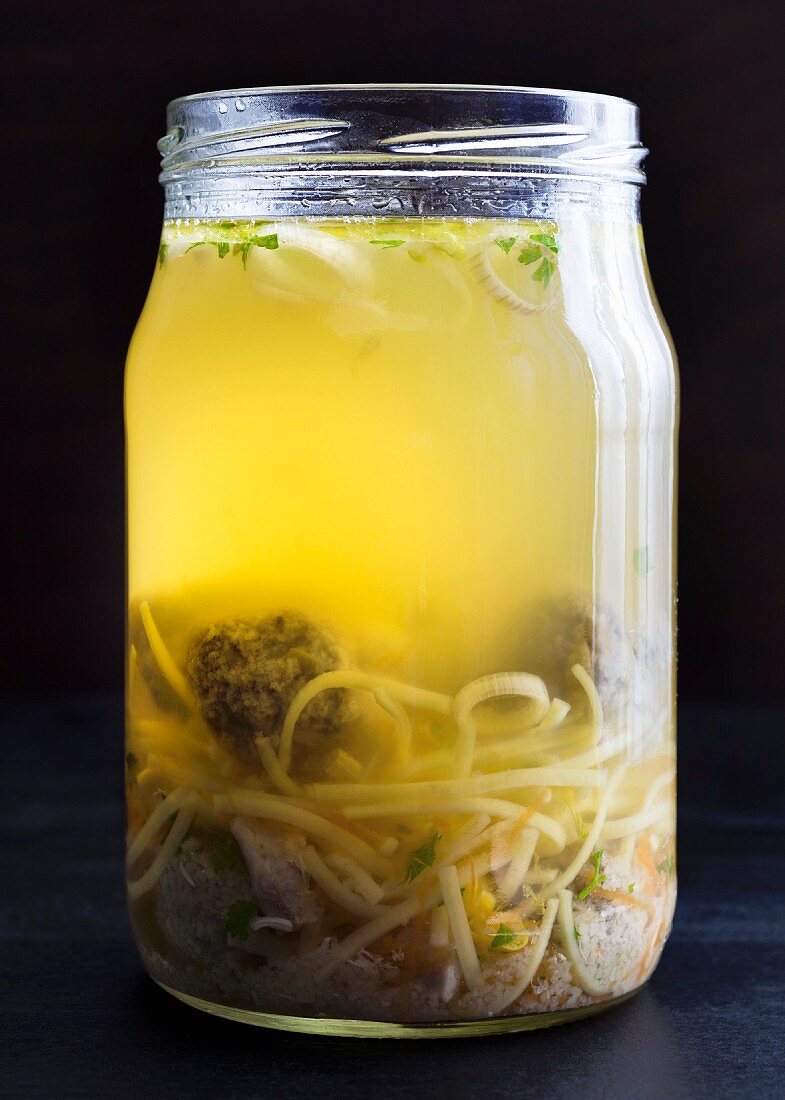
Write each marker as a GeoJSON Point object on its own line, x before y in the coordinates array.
{"type": "Point", "coordinates": [566, 93]}
{"type": "Point", "coordinates": [403, 128]}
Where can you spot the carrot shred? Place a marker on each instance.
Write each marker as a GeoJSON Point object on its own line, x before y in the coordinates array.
{"type": "Point", "coordinates": [623, 897]}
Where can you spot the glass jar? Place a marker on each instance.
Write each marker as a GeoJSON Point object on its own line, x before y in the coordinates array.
{"type": "Point", "coordinates": [401, 412]}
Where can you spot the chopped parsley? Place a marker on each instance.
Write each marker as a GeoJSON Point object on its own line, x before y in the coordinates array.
{"type": "Point", "coordinates": [270, 240]}
{"type": "Point", "coordinates": [238, 919]}
{"type": "Point", "coordinates": [422, 857]}
{"type": "Point", "coordinates": [163, 248]}
{"type": "Point", "coordinates": [222, 246]}
{"type": "Point", "coordinates": [529, 254]}
{"type": "Point", "coordinates": [547, 239]}
{"type": "Point", "coordinates": [540, 249]}
{"type": "Point", "coordinates": [544, 272]}
{"type": "Point", "coordinates": [506, 243]}
{"type": "Point", "coordinates": [596, 879]}
{"type": "Point", "coordinates": [504, 937]}
{"type": "Point", "coordinates": [667, 866]}
{"type": "Point", "coordinates": [392, 243]}
{"type": "Point", "coordinates": [631, 888]}
{"type": "Point", "coordinates": [576, 933]}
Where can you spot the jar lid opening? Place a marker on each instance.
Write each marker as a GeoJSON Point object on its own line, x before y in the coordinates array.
{"type": "Point", "coordinates": [403, 128]}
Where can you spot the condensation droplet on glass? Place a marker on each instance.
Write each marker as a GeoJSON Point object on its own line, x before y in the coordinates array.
{"type": "Point", "coordinates": [239, 104]}
{"type": "Point", "coordinates": [222, 109]}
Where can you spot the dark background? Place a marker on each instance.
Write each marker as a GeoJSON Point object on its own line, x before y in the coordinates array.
{"type": "Point", "coordinates": [86, 84]}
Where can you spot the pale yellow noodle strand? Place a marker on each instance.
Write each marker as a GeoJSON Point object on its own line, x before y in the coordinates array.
{"type": "Point", "coordinates": [182, 823]}
{"type": "Point", "coordinates": [571, 949]}
{"type": "Point", "coordinates": [519, 864]}
{"type": "Point", "coordinates": [335, 889]}
{"type": "Point", "coordinates": [599, 754]}
{"type": "Point", "coordinates": [363, 681]}
{"type": "Point", "coordinates": [250, 804]}
{"type": "Point", "coordinates": [555, 714]}
{"type": "Point", "coordinates": [588, 846]}
{"type": "Point", "coordinates": [169, 670]}
{"type": "Point", "coordinates": [627, 846]}
{"type": "Point", "coordinates": [166, 809]}
{"type": "Point", "coordinates": [396, 916]}
{"type": "Point", "coordinates": [272, 766]}
{"type": "Point", "coordinates": [536, 957]}
{"type": "Point", "coordinates": [357, 877]}
{"type": "Point", "coordinates": [459, 926]}
{"type": "Point", "coordinates": [460, 788]}
{"type": "Point", "coordinates": [595, 704]}
{"type": "Point", "coordinates": [624, 826]}
{"type": "Point", "coordinates": [493, 807]}
{"type": "Point", "coordinates": [494, 686]}
{"type": "Point", "coordinates": [403, 725]}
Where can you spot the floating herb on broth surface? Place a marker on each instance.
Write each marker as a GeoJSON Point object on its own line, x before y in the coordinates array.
{"type": "Point", "coordinates": [540, 249]}
{"type": "Point", "coordinates": [393, 243]}
{"type": "Point", "coordinates": [547, 239]}
{"type": "Point", "coordinates": [270, 240]}
{"type": "Point", "coordinates": [506, 244]}
{"type": "Point", "coordinates": [222, 246]}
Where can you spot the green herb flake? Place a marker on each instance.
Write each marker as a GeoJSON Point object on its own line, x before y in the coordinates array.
{"type": "Point", "coordinates": [506, 243]}
{"type": "Point", "coordinates": [393, 243]}
{"type": "Point", "coordinates": [223, 247]}
{"type": "Point", "coordinates": [667, 866]}
{"type": "Point", "coordinates": [641, 561]}
{"type": "Point", "coordinates": [163, 248]}
{"type": "Point", "coordinates": [631, 888]}
{"type": "Point", "coordinates": [597, 879]}
{"type": "Point", "coordinates": [529, 254]}
{"type": "Point", "coordinates": [239, 917]}
{"type": "Point", "coordinates": [576, 933]}
{"type": "Point", "coordinates": [423, 857]}
{"type": "Point", "coordinates": [504, 938]}
{"type": "Point", "coordinates": [270, 240]}
{"type": "Point", "coordinates": [544, 272]}
{"type": "Point", "coordinates": [546, 239]}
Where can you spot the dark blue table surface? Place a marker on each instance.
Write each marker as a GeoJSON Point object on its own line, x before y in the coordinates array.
{"type": "Point", "coordinates": [79, 1018]}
